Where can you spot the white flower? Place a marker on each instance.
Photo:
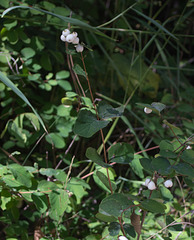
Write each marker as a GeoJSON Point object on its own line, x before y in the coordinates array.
{"type": "Point", "coordinates": [147, 181]}
{"type": "Point", "coordinates": [168, 183]}
{"type": "Point", "coordinates": [147, 110]}
{"type": "Point", "coordinates": [79, 48]}
{"type": "Point", "coordinates": [66, 32]}
{"type": "Point", "coordinates": [70, 37]}
{"type": "Point", "coordinates": [122, 238]}
{"type": "Point", "coordinates": [63, 38]}
{"type": "Point", "coordinates": [76, 40]}
{"type": "Point", "coordinates": [151, 185]}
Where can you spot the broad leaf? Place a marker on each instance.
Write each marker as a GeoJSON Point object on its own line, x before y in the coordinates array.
{"type": "Point", "coordinates": [40, 200]}
{"type": "Point", "coordinates": [105, 181]}
{"type": "Point", "coordinates": [115, 204]}
{"type": "Point", "coordinates": [146, 164]}
{"type": "Point", "coordinates": [92, 154]}
{"type": "Point", "coordinates": [161, 165]}
{"type": "Point", "coordinates": [106, 111]}
{"type": "Point", "coordinates": [153, 206]}
{"type": "Point", "coordinates": [21, 174]}
{"type": "Point", "coordinates": [87, 124]}
{"type": "Point", "coordinates": [184, 169]}
{"type": "Point", "coordinates": [188, 156]}
{"type": "Point", "coordinates": [58, 201]}
{"type": "Point", "coordinates": [121, 153]}
{"type": "Point", "coordinates": [78, 70]}
{"type": "Point", "coordinates": [129, 230]}
{"type": "Point", "coordinates": [114, 228]}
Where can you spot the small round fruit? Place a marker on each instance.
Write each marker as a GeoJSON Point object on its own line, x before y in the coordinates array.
{"type": "Point", "coordinates": [70, 38]}
{"type": "Point", "coordinates": [168, 183]}
{"type": "Point", "coordinates": [147, 110]}
{"type": "Point", "coordinates": [75, 34]}
{"type": "Point", "coordinates": [76, 40]}
{"type": "Point", "coordinates": [147, 181]}
{"type": "Point", "coordinates": [122, 238]}
{"type": "Point", "coordinates": [151, 185]}
{"type": "Point", "coordinates": [79, 48]}
{"type": "Point", "coordinates": [66, 32]}
{"type": "Point", "coordinates": [63, 38]}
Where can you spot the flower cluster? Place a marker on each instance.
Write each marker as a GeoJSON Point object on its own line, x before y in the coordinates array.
{"type": "Point", "coordinates": [152, 186]}
{"type": "Point", "coordinates": [69, 37]}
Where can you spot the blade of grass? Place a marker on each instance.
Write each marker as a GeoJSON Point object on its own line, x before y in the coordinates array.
{"type": "Point", "coordinates": [65, 19]}
{"type": "Point", "coordinates": [155, 23]}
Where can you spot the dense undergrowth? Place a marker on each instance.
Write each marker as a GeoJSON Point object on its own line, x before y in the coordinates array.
{"type": "Point", "coordinates": [77, 141]}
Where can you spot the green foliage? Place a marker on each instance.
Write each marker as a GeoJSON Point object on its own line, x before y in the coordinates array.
{"type": "Point", "coordinates": [76, 146]}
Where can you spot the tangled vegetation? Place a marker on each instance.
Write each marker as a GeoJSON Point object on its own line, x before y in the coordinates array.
{"type": "Point", "coordinates": [96, 121]}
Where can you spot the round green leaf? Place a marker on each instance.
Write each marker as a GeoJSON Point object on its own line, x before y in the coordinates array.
{"type": "Point", "coordinates": [114, 228]}
{"type": "Point", "coordinates": [56, 139]}
{"type": "Point", "coordinates": [28, 52]}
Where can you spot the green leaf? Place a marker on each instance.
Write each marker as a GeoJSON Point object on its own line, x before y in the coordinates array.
{"type": "Point", "coordinates": [136, 166]}
{"type": "Point", "coordinates": [129, 230]}
{"type": "Point", "coordinates": [175, 129]}
{"type": "Point", "coordinates": [92, 154]}
{"type": "Point", "coordinates": [46, 186]}
{"type": "Point", "coordinates": [106, 111]}
{"type": "Point", "coordinates": [40, 200]}
{"type": "Point", "coordinates": [33, 119]}
{"type": "Point", "coordinates": [166, 193]}
{"type": "Point", "coordinates": [11, 181]}
{"type": "Point", "coordinates": [49, 172]}
{"type": "Point", "coordinates": [58, 201]}
{"type": "Point", "coordinates": [158, 106]}
{"type": "Point", "coordinates": [115, 204]}
{"type": "Point", "coordinates": [105, 217]}
{"type": "Point", "coordinates": [153, 206]}
{"type": "Point", "coordinates": [56, 139]}
{"type": "Point", "coordinates": [78, 186]}
{"type": "Point", "coordinates": [28, 52]}
{"type": "Point", "coordinates": [184, 169]}
{"type": "Point", "coordinates": [21, 174]}
{"type": "Point", "coordinates": [105, 181]}
{"type": "Point", "coordinates": [114, 228]}
{"type": "Point", "coordinates": [121, 153]}
{"type": "Point", "coordinates": [188, 156]}
{"type": "Point", "coordinates": [8, 83]}
{"type": "Point", "coordinates": [79, 70]}
{"type": "Point", "coordinates": [62, 75]}
{"type": "Point", "coordinates": [99, 182]}
{"type": "Point", "coordinates": [87, 125]}
{"type": "Point", "coordinates": [161, 165]}
{"type": "Point", "coordinates": [46, 62]}
{"type": "Point", "coordinates": [146, 164]}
